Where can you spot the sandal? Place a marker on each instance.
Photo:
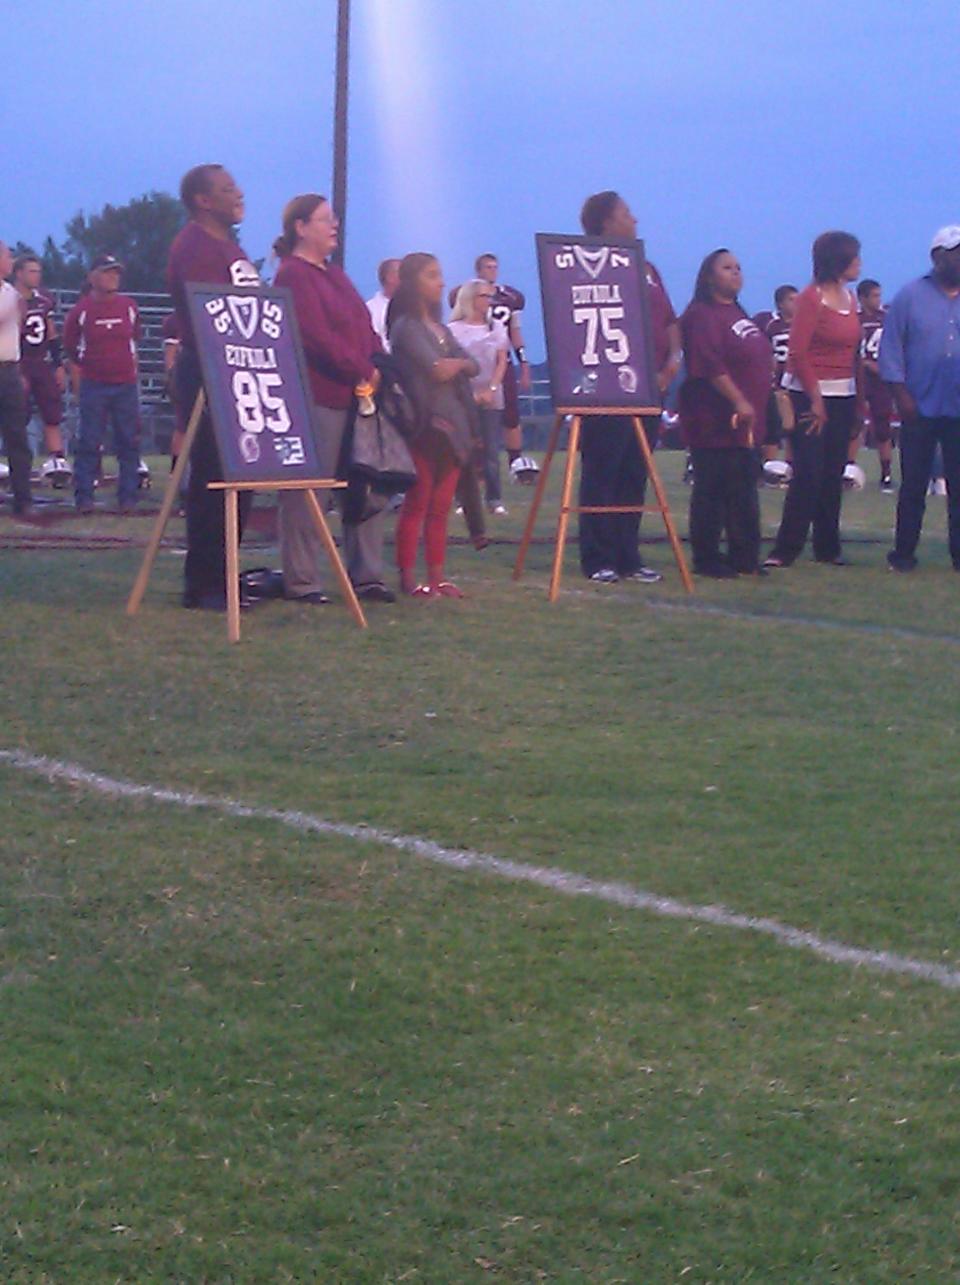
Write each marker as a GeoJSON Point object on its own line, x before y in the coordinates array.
{"type": "Point", "coordinates": [447, 589]}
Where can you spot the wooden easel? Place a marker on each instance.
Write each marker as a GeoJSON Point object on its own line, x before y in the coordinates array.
{"type": "Point", "coordinates": [230, 493]}
{"type": "Point", "coordinates": [566, 508]}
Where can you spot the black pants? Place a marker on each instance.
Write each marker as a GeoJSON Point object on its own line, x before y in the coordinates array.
{"type": "Point", "coordinates": [13, 430]}
{"type": "Point", "coordinates": [204, 570]}
{"type": "Point", "coordinates": [613, 472]}
{"type": "Point", "coordinates": [816, 487]}
{"type": "Point", "coordinates": [918, 444]}
{"type": "Point", "coordinates": [724, 498]}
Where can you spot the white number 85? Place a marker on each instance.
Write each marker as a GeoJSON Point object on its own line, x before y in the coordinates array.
{"type": "Point", "coordinates": [253, 396]}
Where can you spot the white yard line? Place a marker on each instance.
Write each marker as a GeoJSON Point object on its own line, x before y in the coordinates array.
{"type": "Point", "coordinates": [556, 880]}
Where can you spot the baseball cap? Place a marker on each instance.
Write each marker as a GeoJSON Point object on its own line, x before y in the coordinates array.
{"type": "Point", "coordinates": [947, 238]}
{"type": "Point", "coordinates": [104, 262]}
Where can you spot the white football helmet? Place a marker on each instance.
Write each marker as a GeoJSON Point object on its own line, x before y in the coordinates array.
{"type": "Point", "coordinates": [777, 472]}
{"type": "Point", "coordinates": [524, 470]}
{"type": "Point", "coordinates": [57, 472]}
{"type": "Point", "coordinates": [854, 478]}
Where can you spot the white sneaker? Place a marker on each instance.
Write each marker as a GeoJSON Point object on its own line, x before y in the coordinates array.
{"type": "Point", "coordinates": [498, 510]}
{"type": "Point", "coordinates": [143, 475]}
{"type": "Point", "coordinates": [606, 575]}
{"type": "Point", "coordinates": [459, 510]}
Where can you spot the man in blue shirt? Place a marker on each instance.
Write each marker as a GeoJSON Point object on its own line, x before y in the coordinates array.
{"type": "Point", "coordinates": [920, 360]}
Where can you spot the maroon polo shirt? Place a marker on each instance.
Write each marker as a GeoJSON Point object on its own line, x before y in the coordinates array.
{"type": "Point", "coordinates": [338, 337]}
{"type": "Point", "coordinates": [198, 256]}
{"type": "Point", "coordinates": [100, 336]}
{"type": "Point", "coordinates": [661, 316]}
{"type": "Point", "coordinates": [720, 339]}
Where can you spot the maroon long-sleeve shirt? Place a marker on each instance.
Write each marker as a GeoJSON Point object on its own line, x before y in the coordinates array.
{"type": "Point", "coordinates": [100, 336]}
{"type": "Point", "coordinates": [338, 338]}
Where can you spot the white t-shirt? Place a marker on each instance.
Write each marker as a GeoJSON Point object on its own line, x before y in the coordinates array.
{"type": "Point", "coordinates": [9, 322]}
{"type": "Point", "coordinates": [482, 342]}
{"type": "Point", "coordinates": [377, 308]}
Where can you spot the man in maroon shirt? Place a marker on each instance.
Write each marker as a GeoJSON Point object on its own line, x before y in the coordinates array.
{"type": "Point", "coordinates": [879, 399]}
{"type": "Point", "coordinates": [205, 251]}
{"type": "Point", "coordinates": [100, 337]}
{"type": "Point", "coordinates": [613, 470]}
{"type": "Point", "coordinates": [41, 366]}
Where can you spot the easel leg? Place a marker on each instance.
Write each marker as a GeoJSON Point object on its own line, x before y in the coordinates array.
{"type": "Point", "coordinates": [166, 508]}
{"type": "Point", "coordinates": [537, 498]}
{"type": "Point", "coordinates": [664, 507]}
{"type": "Point", "coordinates": [333, 553]}
{"type": "Point", "coordinates": [230, 500]}
{"type": "Point", "coordinates": [573, 443]}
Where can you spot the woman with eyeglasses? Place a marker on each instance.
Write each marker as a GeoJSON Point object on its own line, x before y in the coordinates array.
{"type": "Point", "coordinates": [487, 342]}
{"type": "Point", "coordinates": [339, 344]}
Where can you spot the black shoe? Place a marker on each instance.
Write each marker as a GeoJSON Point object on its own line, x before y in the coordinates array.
{"type": "Point", "coordinates": [900, 561]}
{"type": "Point", "coordinates": [838, 561]}
{"type": "Point", "coordinates": [375, 593]}
{"type": "Point", "coordinates": [311, 599]}
{"type": "Point", "coordinates": [715, 571]}
{"type": "Point", "coordinates": [215, 601]}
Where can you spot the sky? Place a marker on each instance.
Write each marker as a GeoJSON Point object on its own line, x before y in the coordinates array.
{"type": "Point", "coordinates": [750, 124]}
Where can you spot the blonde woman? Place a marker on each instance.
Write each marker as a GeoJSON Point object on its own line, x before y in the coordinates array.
{"type": "Point", "coordinates": [487, 342]}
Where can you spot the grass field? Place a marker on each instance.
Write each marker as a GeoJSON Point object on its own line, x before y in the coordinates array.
{"type": "Point", "coordinates": [238, 1052]}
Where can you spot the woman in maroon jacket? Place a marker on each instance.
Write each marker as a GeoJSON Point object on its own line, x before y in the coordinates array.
{"type": "Point", "coordinates": [339, 343]}
{"type": "Point", "coordinates": [722, 408]}
{"type": "Point", "coordinates": [823, 373]}
{"type": "Point", "coordinates": [435, 371]}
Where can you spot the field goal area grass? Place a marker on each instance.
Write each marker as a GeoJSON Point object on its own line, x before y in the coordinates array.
{"type": "Point", "coordinates": [236, 1050]}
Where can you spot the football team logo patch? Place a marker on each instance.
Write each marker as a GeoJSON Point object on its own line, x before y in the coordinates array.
{"type": "Point", "coordinates": [244, 313]}
{"type": "Point", "coordinates": [593, 262]}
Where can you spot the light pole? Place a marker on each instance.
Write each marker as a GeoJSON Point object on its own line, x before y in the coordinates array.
{"type": "Point", "coordinates": [341, 103]}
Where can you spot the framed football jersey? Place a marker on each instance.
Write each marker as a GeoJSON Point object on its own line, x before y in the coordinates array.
{"type": "Point", "coordinates": [596, 319]}
{"type": "Point", "coordinates": [256, 381]}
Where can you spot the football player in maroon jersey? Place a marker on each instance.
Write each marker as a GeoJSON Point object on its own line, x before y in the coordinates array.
{"type": "Point", "coordinates": [879, 399]}
{"type": "Point", "coordinates": [41, 364]}
{"type": "Point", "coordinates": [507, 308]}
{"type": "Point", "coordinates": [776, 326]}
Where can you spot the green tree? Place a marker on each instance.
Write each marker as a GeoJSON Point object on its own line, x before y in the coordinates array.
{"type": "Point", "coordinates": [139, 234]}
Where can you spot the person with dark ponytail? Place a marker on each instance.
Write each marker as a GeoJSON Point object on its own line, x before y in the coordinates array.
{"type": "Point", "coordinates": [722, 413]}
{"type": "Point", "coordinates": [339, 344]}
{"type": "Point", "coordinates": [436, 374]}
{"type": "Point", "coordinates": [823, 378]}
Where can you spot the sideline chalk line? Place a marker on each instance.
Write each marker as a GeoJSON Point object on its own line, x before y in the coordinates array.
{"type": "Point", "coordinates": [550, 877]}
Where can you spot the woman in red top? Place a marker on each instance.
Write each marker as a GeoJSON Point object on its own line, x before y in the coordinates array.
{"type": "Point", "coordinates": [722, 412]}
{"type": "Point", "coordinates": [436, 374]}
{"type": "Point", "coordinates": [339, 344]}
{"type": "Point", "coordinates": [823, 379]}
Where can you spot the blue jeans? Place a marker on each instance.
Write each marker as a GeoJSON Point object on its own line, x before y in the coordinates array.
{"type": "Point", "coordinates": [120, 405]}
{"type": "Point", "coordinates": [490, 432]}
{"type": "Point", "coordinates": [918, 444]}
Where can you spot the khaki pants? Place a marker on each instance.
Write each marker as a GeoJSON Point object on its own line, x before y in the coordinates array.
{"type": "Point", "coordinates": [302, 556]}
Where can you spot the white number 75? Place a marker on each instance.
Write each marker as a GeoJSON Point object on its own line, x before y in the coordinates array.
{"type": "Point", "coordinates": [602, 319]}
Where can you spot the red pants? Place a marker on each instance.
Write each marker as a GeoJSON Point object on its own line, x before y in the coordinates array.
{"type": "Point", "coordinates": [426, 506]}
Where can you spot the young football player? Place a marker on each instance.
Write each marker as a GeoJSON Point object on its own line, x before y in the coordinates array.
{"type": "Point", "coordinates": [41, 365]}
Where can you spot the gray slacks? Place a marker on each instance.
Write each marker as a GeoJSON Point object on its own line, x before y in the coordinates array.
{"type": "Point", "coordinates": [302, 556]}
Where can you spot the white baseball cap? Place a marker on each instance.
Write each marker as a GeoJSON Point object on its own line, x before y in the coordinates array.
{"type": "Point", "coordinates": [947, 238]}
